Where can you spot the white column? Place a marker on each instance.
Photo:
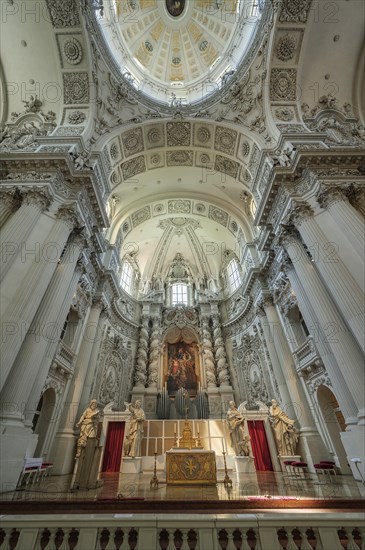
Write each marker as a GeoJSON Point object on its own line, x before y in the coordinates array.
{"type": "Point", "coordinates": [30, 369]}
{"type": "Point", "coordinates": [14, 235]}
{"type": "Point", "coordinates": [278, 371]}
{"type": "Point", "coordinates": [344, 220]}
{"type": "Point", "coordinates": [341, 390]}
{"type": "Point", "coordinates": [25, 285]}
{"type": "Point", "coordinates": [312, 447]}
{"type": "Point", "coordinates": [93, 365]}
{"type": "Point", "coordinates": [64, 441]}
{"type": "Point", "coordinates": [337, 277]}
{"type": "Point", "coordinates": [10, 201]}
{"type": "Point", "coordinates": [339, 339]}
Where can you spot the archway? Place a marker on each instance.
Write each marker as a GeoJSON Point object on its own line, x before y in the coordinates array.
{"type": "Point", "coordinates": [334, 423]}
{"type": "Point", "coordinates": [46, 408]}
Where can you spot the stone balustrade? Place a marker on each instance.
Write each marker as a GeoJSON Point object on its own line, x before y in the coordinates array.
{"type": "Point", "coordinates": [336, 531]}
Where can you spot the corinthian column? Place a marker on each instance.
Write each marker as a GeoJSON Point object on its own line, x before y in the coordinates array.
{"type": "Point", "coordinates": [268, 333]}
{"type": "Point", "coordinates": [15, 236]}
{"type": "Point", "coordinates": [62, 451]}
{"type": "Point", "coordinates": [344, 227]}
{"type": "Point", "coordinates": [25, 285]}
{"type": "Point", "coordinates": [30, 369]}
{"type": "Point", "coordinates": [339, 340]}
{"type": "Point", "coordinates": [313, 449]}
{"type": "Point", "coordinates": [338, 278]}
{"type": "Point", "coordinates": [10, 201]}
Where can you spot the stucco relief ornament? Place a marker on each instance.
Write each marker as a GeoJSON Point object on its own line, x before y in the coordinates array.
{"type": "Point", "coordinates": [283, 84]}
{"type": "Point", "coordinates": [76, 117]}
{"type": "Point", "coordinates": [295, 10]}
{"type": "Point", "coordinates": [63, 13]}
{"type": "Point", "coordinates": [285, 48]}
{"type": "Point", "coordinates": [72, 51]}
{"type": "Point", "coordinates": [284, 113]}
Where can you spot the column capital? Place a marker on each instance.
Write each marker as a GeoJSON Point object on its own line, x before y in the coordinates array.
{"type": "Point", "coordinates": [38, 197]}
{"type": "Point", "coordinates": [288, 234]}
{"type": "Point", "coordinates": [300, 213]}
{"type": "Point", "coordinates": [10, 197]}
{"type": "Point", "coordinates": [68, 215]}
{"type": "Point", "coordinates": [329, 195]}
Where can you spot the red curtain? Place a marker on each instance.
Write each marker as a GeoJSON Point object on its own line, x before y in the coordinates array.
{"type": "Point", "coordinates": [260, 447]}
{"type": "Point", "coordinates": [113, 447]}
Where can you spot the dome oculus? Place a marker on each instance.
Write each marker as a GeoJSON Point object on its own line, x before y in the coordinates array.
{"type": "Point", "coordinates": [175, 7]}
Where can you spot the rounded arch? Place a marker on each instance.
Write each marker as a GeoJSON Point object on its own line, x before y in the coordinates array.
{"type": "Point", "coordinates": [334, 423]}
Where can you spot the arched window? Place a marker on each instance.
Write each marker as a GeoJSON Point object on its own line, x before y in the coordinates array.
{"type": "Point", "coordinates": [126, 278]}
{"type": "Point", "coordinates": [179, 294]}
{"type": "Point", "coordinates": [234, 277]}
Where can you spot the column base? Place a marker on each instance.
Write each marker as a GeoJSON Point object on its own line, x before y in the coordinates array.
{"type": "Point", "coordinates": [17, 442]}
{"type": "Point", "coordinates": [312, 448]}
{"type": "Point", "coordinates": [63, 453]}
{"type": "Point", "coordinates": [353, 441]}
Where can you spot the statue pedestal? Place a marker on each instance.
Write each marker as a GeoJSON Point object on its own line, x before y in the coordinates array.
{"type": "Point", "coordinates": [283, 458]}
{"type": "Point", "coordinates": [131, 465]}
{"type": "Point", "coordinates": [85, 475]}
{"type": "Point", "coordinates": [244, 465]}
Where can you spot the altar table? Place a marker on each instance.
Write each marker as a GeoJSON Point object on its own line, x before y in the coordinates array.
{"type": "Point", "coordinates": [190, 467]}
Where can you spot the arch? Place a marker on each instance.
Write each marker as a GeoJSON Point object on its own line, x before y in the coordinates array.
{"type": "Point", "coordinates": [334, 423]}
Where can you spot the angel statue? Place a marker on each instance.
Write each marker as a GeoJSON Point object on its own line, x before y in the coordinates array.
{"type": "Point", "coordinates": [88, 425]}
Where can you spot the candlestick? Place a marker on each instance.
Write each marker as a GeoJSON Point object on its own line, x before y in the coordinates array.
{"type": "Point", "coordinates": [154, 481]}
{"type": "Point", "coordinates": [194, 431]}
{"type": "Point", "coordinates": [223, 445]}
{"type": "Point", "coordinates": [156, 445]}
{"type": "Point", "coordinates": [198, 428]}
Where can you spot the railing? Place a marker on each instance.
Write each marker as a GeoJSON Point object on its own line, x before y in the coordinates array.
{"type": "Point", "coordinates": [64, 358]}
{"type": "Point", "coordinates": [306, 354]}
{"type": "Point", "coordinates": [289, 531]}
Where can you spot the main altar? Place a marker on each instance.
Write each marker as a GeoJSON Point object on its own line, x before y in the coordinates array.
{"type": "Point", "coordinates": [195, 467]}
{"type": "Point", "coordinates": [187, 463]}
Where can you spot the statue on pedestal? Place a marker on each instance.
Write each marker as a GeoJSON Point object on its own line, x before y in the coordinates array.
{"type": "Point", "coordinates": [132, 446]}
{"type": "Point", "coordinates": [88, 424]}
{"type": "Point", "coordinates": [236, 425]}
{"type": "Point", "coordinates": [286, 435]}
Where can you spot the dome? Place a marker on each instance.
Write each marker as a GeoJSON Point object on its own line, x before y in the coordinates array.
{"type": "Point", "coordinates": [178, 52]}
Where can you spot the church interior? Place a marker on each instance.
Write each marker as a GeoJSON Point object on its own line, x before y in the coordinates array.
{"type": "Point", "coordinates": [182, 275]}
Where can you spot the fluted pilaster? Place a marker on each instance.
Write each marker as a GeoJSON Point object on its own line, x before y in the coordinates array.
{"type": "Point", "coordinates": [15, 235]}
{"type": "Point", "coordinates": [337, 277]}
{"type": "Point", "coordinates": [21, 294]}
{"type": "Point", "coordinates": [332, 328]}
{"type": "Point", "coordinates": [29, 371]}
